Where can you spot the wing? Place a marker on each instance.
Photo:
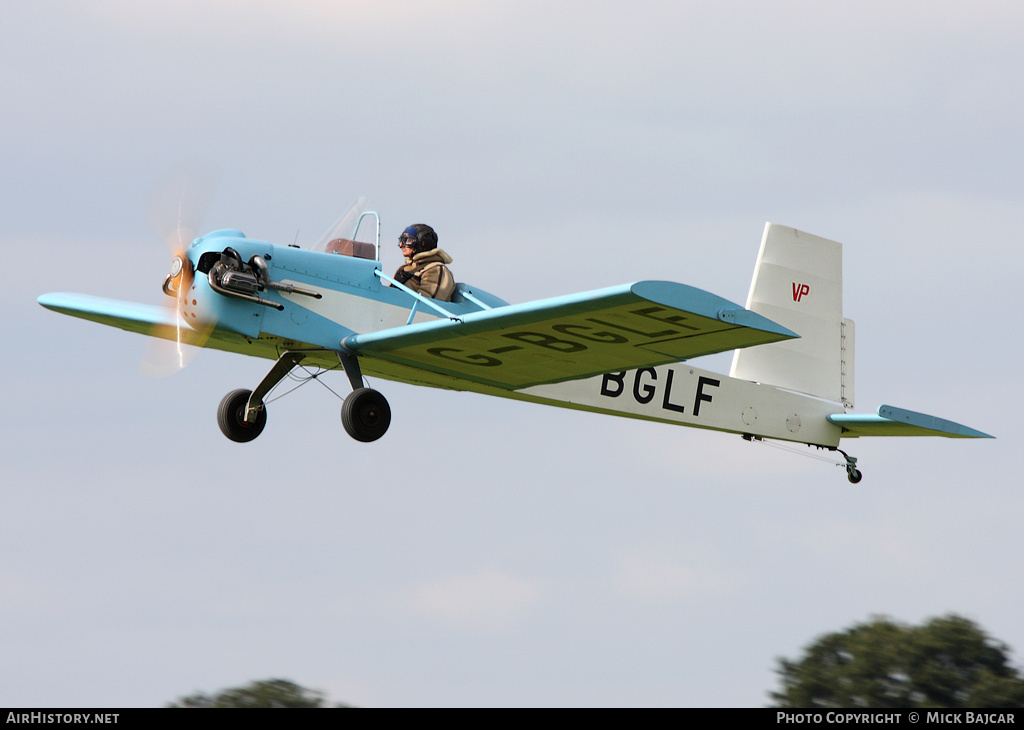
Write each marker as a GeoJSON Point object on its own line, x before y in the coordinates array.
{"type": "Point", "coordinates": [892, 421]}
{"type": "Point", "coordinates": [144, 319]}
{"type": "Point", "coordinates": [621, 328]}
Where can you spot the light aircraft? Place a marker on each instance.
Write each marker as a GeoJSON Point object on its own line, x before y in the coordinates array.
{"type": "Point", "coordinates": [623, 350]}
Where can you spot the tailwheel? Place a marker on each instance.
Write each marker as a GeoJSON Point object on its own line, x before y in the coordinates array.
{"type": "Point", "coordinates": [365, 414]}
{"type": "Point", "coordinates": [852, 472]}
{"type": "Point", "coordinates": [231, 417]}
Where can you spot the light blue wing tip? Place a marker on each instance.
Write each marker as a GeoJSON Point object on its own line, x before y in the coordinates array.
{"type": "Point", "coordinates": [706, 304]}
{"type": "Point", "coordinates": [48, 300]}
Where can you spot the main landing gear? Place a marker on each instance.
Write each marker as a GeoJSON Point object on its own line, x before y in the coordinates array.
{"type": "Point", "coordinates": [365, 414]}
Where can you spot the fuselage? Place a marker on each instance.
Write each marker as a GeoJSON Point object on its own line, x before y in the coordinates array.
{"type": "Point", "coordinates": [353, 298]}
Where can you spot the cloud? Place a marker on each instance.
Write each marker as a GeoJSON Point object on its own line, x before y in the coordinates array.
{"type": "Point", "coordinates": [18, 593]}
{"type": "Point", "coordinates": [487, 599]}
{"type": "Point", "coordinates": [654, 572]}
{"type": "Point", "coordinates": [348, 22]}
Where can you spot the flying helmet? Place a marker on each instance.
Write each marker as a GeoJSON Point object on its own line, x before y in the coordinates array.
{"type": "Point", "coordinates": [421, 236]}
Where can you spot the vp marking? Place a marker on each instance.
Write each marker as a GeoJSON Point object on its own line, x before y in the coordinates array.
{"type": "Point", "coordinates": [800, 291]}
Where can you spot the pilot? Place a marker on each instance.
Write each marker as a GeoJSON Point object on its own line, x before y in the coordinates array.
{"type": "Point", "coordinates": [424, 270]}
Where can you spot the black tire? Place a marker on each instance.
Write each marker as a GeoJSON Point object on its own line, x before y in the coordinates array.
{"type": "Point", "coordinates": [230, 417]}
{"type": "Point", "coordinates": [854, 476]}
{"type": "Point", "coordinates": [365, 414]}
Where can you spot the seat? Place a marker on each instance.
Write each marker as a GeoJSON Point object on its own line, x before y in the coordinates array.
{"type": "Point", "coordinates": [356, 249]}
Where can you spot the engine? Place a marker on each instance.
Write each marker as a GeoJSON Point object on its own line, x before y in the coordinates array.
{"type": "Point", "coordinates": [232, 277]}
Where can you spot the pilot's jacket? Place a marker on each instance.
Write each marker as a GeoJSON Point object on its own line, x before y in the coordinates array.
{"type": "Point", "coordinates": [427, 274]}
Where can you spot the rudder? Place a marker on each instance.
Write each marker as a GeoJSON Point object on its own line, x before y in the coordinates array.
{"type": "Point", "coordinates": [798, 283]}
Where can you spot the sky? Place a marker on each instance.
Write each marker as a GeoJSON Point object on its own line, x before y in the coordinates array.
{"type": "Point", "coordinates": [488, 552]}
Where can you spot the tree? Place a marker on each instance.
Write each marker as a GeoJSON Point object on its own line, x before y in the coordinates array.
{"type": "Point", "coordinates": [265, 693]}
{"type": "Point", "coordinates": [947, 662]}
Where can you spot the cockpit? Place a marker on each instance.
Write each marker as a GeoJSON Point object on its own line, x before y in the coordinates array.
{"type": "Point", "coordinates": [242, 271]}
{"type": "Point", "coordinates": [357, 234]}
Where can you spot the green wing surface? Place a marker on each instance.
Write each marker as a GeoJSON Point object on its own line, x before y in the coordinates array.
{"type": "Point", "coordinates": [548, 341]}
{"type": "Point", "coordinates": [892, 421]}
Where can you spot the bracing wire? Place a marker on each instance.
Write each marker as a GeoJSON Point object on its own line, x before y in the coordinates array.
{"type": "Point", "coordinates": [798, 452]}
{"type": "Point", "coordinates": [311, 375]}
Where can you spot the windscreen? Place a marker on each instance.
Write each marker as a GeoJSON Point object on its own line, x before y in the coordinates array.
{"type": "Point", "coordinates": [359, 223]}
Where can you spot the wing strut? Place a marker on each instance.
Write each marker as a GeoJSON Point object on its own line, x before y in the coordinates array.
{"type": "Point", "coordinates": [420, 299]}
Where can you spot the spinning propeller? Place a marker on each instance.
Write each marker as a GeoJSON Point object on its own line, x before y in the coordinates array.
{"type": "Point", "coordinates": [176, 211]}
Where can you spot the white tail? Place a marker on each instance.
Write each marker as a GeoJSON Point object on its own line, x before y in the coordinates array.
{"type": "Point", "coordinates": [798, 283]}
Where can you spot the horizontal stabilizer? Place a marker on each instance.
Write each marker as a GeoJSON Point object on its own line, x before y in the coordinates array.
{"type": "Point", "coordinates": [620, 328]}
{"type": "Point", "coordinates": [892, 421]}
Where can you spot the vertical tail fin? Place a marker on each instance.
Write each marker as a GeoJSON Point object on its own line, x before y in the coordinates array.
{"type": "Point", "coordinates": [798, 282]}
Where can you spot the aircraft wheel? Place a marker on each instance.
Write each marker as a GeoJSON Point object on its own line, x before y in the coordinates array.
{"type": "Point", "coordinates": [854, 475]}
{"type": "Point", "coordinates": [365, 414]}
{"type": "Point", "coordinates": [230, 417]}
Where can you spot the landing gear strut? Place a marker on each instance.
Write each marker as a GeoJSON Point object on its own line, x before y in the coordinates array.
{"type": "Point", "coordinates": [242, 414]}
